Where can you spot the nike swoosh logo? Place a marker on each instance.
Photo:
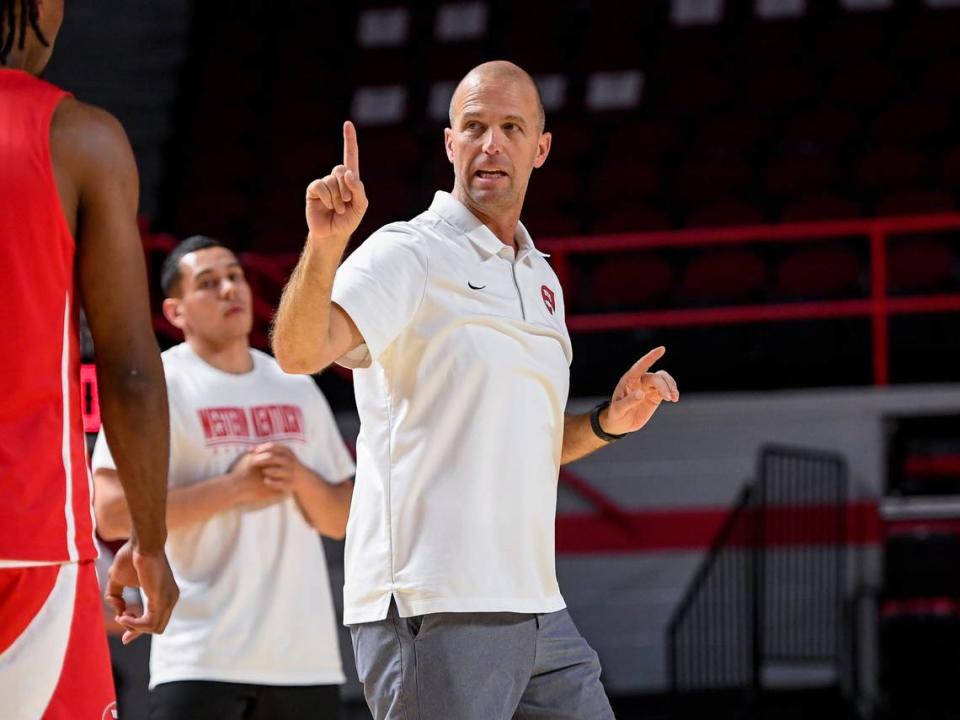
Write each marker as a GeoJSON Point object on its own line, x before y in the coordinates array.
{"type": "Point", "coordinates": [475, 287]}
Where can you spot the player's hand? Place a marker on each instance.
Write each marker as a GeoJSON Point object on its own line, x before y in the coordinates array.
{"type": "Point", "coordinates": [638, 395]}
{"type": "Point", "coordinates": [280, 467]}
{"type": "Point", "coordinates": [151, 573]}
{"type": "Point", "coordinates": [336, 203]}
{"type": "Point", "coordinates": [249, 486]}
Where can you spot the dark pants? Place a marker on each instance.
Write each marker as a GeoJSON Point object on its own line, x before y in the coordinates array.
{"type": "Point", "coordinates": [204, 700]}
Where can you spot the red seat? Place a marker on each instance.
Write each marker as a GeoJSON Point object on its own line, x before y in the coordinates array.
{"type": "Point", "coordinates": [738, 130]}
{"type": "Point", "coordinates": [628, 281]}
{"type": "Point", "coordinates": [820, 272]}
{"type": "Point", "coordinates": [940, 81]}
{"type": "Point", "coordinates": [631, 218]}
{"type": "Point", "coordinates": [800, 173]}
{"type": "Point", "coordinates": [648, 139]}
{"type": "Point", "coordinates": [912, 122]}
{"type": "Point", "coordinates": [780, 86]}
{"type": "Point", "coordinates": [723, 276]}
{"type": "Point", "coordinates": [704, 178]}
{"type": "Point", "coordinates": [864, 84]}
{"type": "Point", "coordinates": [825, 125]}
{"type": "Point", "coordinates": [819, 206]}
{"type": "Point", "coordinates": [928, 36]}
{"type": "Point", "coordinates": [916, 202]}
{"type": "Point", "coordinates": [889, 167]}
{"type": "Point", "coordinates": [727, 213]}
{"type": "Point", "coordinates": [693, 90]}
{"type": "Point", "coordinates": [556, 187]}
{"type": "Point", "coordinates": [551, 223]}
{"type": "Point", "coordinates": [616, 186]}
{"type": "Point", "coordinates": [920, 265]}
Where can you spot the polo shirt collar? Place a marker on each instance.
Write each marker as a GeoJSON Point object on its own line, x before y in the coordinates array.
{"type": "Point", "coordinates": [487, 244]}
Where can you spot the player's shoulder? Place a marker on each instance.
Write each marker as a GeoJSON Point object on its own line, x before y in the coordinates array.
{"type": "Point", "coordinates": [83, 132]}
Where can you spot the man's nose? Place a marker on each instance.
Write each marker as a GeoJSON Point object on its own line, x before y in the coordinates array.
{"type": "Point", "coordinates": [492, 142]}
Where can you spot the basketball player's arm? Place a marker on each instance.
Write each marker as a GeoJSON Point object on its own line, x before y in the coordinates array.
{"type": "Point", "coordinates": [634, 401]}
{"type": "Point", "coordinates": [97, 179]}
{"type": "Point", "coordinates": [310, 331]}
{"type": "Point", "coordinates": [243, 486]}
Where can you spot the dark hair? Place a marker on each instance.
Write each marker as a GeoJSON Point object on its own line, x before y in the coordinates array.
{"type": "Point", "coordinates": [170, 272]}
{"type": "Point", "coordinates": [10, 33]}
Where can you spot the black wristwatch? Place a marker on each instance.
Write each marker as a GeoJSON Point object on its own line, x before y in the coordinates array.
{"type": "Point", "coordinates": [595, 423]}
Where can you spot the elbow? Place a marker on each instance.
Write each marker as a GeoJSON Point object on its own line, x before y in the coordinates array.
{"type": "Point", "coordinates": [296, 364]}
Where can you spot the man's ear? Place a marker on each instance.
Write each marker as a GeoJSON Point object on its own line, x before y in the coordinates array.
{"type": "Point", "coordinates": [173, 313]}
{"type": "Point", "coordinates": [543, 149]}
{"type": "Point", "coordinates": [448, 143]}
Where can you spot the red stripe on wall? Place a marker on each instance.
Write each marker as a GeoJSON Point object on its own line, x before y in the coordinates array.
{"type": "Point", "coordinates": [693, 529]}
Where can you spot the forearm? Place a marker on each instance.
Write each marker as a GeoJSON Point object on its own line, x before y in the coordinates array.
{"type": "Point", "coordinates": [579, 440]}
{"type": "Point", "coordinates": [200, 501]}
{"type": "Point", "coordinates": [185, 505]}
{"type": "Point", "coordinates": [133, 404]}
{"type": "Point", "coordinates": [325, 506]}
{"type": "Point", "coordinates": [301, 333]}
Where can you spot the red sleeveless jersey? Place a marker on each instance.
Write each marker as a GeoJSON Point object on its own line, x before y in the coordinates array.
{"type": "Point", "coordinates": [45, 488]}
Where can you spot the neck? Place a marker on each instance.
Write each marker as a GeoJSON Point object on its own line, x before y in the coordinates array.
{"type": "Point", "coordinates": [502, 223]}
{"type": "Point", "coordinates": [16, 60]}
{"type": "Point", "coordinates": [230, 357]}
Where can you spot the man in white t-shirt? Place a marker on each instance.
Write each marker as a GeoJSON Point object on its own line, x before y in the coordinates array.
{"type": "Point", "coordinates": [455, 325]}
{"type": "Point", "coordinates": [257, 470]}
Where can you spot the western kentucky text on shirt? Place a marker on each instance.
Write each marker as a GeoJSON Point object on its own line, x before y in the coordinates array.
{"type": "Point", "coordinates": [226, 425]}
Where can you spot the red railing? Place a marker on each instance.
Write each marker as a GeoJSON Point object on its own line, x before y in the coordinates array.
{"type": "Point", "coordinates": [879, 306]}
{"type": "Point", "coordinates": [269, 272]}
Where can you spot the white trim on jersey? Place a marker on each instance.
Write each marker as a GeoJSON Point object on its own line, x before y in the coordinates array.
{"type": "Point", "coordinates": [30, 668]}
{"type": "Point", "coordinates": [65, 443]}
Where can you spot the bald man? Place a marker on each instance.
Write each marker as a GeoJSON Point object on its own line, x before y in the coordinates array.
{"type": "Point", "coordinates": [454, 325]}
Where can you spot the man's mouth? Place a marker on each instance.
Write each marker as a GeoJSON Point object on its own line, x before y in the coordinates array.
{"type": "Point", "coordinates": [490, 174]}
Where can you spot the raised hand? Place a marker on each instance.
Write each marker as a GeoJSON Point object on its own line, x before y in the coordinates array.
{"type": "Point", "coordinates": [151, 573]}
{"type": "Point", "coordinates": [638, 395]}
{"type": "Point", "coordinates": [336, 203]}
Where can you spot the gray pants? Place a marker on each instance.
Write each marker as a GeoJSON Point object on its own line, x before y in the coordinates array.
{"type": "Point", "coordinates": [478, 666]}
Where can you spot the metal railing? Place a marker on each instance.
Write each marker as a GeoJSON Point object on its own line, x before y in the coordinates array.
{"type": "Point", "coordinates": [878, 307]}
{"type": "Point", "coordinates": [269, 272]}
{"type": "Point", "coordinates": [770, 592]}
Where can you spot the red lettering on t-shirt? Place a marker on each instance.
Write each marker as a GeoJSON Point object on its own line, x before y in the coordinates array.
{"type": "Point", "coordinates": [277, 422]}
{"type": "Point", "coordinates": [224, 425]}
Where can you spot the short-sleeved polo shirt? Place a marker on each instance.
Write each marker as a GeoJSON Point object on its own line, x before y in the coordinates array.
{"type": "Point", "coordinates": [461, 387]}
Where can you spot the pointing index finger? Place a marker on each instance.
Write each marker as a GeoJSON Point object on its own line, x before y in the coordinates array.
{"type": "Point", "coordinates": [351, 153]}
{"type": "Point", "coordinates": [647, 361]}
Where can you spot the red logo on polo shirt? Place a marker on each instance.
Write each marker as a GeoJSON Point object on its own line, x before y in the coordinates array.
{"type": "Point", "coordinates": [548, 298]}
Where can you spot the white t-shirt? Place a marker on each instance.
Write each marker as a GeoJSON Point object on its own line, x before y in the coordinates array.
{"type": "Point", "coordinates": [255, 603]}
{"type": "Point", "coordinates": [461, 393]}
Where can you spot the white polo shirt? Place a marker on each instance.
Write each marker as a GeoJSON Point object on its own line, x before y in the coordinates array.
{"type": "Point", "coordinates": [461, 387]}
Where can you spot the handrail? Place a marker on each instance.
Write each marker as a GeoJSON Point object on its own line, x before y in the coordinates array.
{"type": "Point", "coordinates": [720, 542]}
{"type": "Point", "coordinates": [878, 306]}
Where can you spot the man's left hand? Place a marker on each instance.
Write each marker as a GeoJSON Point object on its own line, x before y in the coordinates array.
{"type": "Point", "coordinates": [280, 467]}
{"type": "Point", "coordinates": [638, 395]}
